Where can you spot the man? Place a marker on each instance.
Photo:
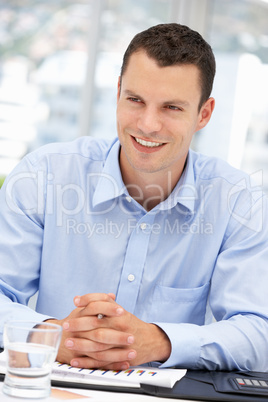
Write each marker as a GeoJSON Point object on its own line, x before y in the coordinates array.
{"type": "Point", "coordinates": [132, 242]}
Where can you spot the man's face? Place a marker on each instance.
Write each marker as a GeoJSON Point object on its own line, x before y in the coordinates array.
{"type": "Point", "coordinates": [157, 115]}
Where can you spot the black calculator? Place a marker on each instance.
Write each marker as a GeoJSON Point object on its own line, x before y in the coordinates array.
{"type": "Point", "coordinates": [251, 385]}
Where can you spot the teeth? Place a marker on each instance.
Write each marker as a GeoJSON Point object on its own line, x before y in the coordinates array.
{"type": "Point", "coordinates": [148, 143]}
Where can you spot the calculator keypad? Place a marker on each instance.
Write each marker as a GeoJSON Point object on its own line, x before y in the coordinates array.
{"type": "Point", "coordinates": [247, 382]}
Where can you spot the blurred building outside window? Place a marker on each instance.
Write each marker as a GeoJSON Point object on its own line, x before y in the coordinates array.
{"type": "Point", "coordinates": [43, 48]}
{"type": "Point", "coordinates": [44, 64]}
{"type": "Point", "coordinates": [238, 130]}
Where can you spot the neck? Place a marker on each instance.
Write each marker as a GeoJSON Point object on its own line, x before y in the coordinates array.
{"type": "Point", "coordinates": [149, 189]}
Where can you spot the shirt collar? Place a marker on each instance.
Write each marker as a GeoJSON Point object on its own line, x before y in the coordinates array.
{"type": "Point", "coordinates": [110, 184]}
{"type": "Point", "coordinates": [184, 192]}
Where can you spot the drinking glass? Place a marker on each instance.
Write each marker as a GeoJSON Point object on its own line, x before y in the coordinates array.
{"type": "Point", "coordinates": [31, 349]}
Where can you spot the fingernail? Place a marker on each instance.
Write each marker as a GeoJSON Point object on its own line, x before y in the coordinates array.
{"type": "Point", "coordinates": [124, 366]}
{"type": "Point", "coordinates": [132, 355]}
{"type": "Point", "coordinates": [77, 300]}
{"type": "Point", "coordinates": [130, 339]}
{"type": "Point", "coordinates": [74, 363]}
{"type": "Point", "coordinates": [69, 343]}
{"type": "Point", "coordinates": [119, 311]}
{"type": "Point", "coordinates": [65, 325]}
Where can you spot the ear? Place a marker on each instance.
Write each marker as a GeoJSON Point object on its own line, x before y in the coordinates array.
{"type": "Point", "coordinates": [118, 88]}
{"type": "Point", "coordinates": [205, 113]}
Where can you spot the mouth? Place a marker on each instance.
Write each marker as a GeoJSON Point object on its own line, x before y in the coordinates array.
{"type": "Point", "coordinates": [149, 144]}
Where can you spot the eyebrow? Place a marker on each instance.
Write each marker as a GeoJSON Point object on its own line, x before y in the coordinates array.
{"type": "Point", "coordinates": [178, 102]}
{"type": "Point", "coordinates": [132, 93]}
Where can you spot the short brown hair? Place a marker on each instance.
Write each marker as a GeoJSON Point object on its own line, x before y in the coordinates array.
{"type": "Point", "coordinates": [171, 44]}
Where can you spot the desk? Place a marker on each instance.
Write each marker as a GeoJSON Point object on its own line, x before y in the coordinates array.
{"type": "Point", "coordinates": [90, 396]}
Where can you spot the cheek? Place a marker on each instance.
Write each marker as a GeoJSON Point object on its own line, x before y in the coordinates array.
{"type": "Point", "coordinates": [126, 113]}
{"type": "Point", "coordinates": [185, 130]}
{"type": "Point", "coordinates": [126, 120]}
{"type": "Point", "coordinates": [121, 117]}
{"type": "Point", "coordinates": [119, 120]}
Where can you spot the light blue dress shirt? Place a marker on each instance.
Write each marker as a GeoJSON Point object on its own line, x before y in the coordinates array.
{"type": "Point", "coordinates": [69, 227]}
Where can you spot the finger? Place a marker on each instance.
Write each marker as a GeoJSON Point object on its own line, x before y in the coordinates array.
{"type": "Point", "coordinates": [105, 308]}
{"type": "Point", "coordinates": [82, 301]}
{"type": "Point", "coordinates": [104, 358]}
{"type": "Point", "coordinates": [80, 324]}
{"type": "Point", "coordinates": [87, 362]}
{"type": "Point", "coordinates": [111, 337]}
{"type": "Point", "coordinates": [85, 346]}
{"type": "Point", "coordinates": [65, 355]}
{"type": "Point", "coordinates": [88, 321]}
{"type": "Point", "coordinates": [105, 336]}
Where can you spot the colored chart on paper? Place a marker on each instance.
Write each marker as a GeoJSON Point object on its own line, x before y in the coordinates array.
{"type": "Point", "coordinates": [132, 377]}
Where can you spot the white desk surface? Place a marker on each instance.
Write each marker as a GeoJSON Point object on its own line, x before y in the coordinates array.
{"type": "Point", "coordinates": [77, 395]}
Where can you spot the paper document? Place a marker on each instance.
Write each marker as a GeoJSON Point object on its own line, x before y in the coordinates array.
{"type": "Point", "coordinates": [132, 377]}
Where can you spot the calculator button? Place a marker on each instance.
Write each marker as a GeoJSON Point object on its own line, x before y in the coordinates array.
{"type": "Point", "coordinates": [248, 382]}
{"type": "Point", "coordinates": [263, 383]}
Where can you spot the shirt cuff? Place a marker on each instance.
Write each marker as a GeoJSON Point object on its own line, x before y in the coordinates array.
{"type": "Point", "coordinates": [185, 345]}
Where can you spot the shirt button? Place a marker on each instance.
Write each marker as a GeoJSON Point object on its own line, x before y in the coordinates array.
{"type": "Point", "coordinates": [143, 226]}
{"type": "Point", "coordinates": [131, 277]}
{"type": "Point", "coordinates": [128, 199]}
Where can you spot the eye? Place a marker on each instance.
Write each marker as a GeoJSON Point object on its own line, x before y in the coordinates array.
{"type": "Point", "coordinates": [172, 107]}
{"type": "Point", "coordinates": [133, 99]}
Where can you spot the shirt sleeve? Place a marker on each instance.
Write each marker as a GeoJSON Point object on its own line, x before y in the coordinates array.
{"type": "Point", "coordinates": [21, 222]}
{"type": "Point", "coordinates": [237, 339]}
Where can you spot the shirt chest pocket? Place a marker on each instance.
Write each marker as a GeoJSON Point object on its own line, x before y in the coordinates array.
{"type": "Point", "coordinates": [187, 305]}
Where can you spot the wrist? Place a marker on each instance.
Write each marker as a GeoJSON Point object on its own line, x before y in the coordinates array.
{"type": "Point", "coordinates": [162, 348]}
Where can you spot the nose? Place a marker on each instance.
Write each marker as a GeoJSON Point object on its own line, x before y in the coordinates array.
{"type": "Point", "coordinates": [149, 120]}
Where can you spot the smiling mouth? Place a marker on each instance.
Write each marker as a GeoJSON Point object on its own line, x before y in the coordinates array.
{"type": "Point", "coordinates": [148, 144]}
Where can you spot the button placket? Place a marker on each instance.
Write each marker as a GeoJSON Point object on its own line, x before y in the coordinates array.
{"type": "Point", "coordinates": [134, 263]}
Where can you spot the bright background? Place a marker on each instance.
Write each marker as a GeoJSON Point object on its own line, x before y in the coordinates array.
{"type": "Point", "coordinates": [60, 61]}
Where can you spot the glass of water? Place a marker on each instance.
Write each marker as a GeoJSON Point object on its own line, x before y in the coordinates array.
{"type": "Point", "coordinates": [31, 349]}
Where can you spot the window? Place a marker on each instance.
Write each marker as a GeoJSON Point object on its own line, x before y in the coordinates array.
{"type": "Point", "coordinates": [46, 51]}
{"type": "Point", "coordinates": [43, 46]}
{"type": "Point", "coordinates": [238, 131]}
{"type": "Point", "coordinates": [60, 63]}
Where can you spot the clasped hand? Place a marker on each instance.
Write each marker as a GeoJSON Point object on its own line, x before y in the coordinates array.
{"type": "Point", "coordinates": [116, 341]}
